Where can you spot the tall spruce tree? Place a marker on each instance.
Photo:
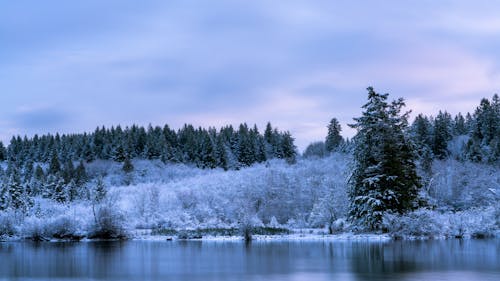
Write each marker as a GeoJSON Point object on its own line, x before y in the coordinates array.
{"type": "Point", "coordinates": [384, 178]}
{"type": "Point", "coordinates": [333, 138]}
{"type": "Point", "coordinates": [442, 133]}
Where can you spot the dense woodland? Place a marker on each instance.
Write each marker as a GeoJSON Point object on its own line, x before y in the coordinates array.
{"type": "Point", "coordinates": [53, 166]}
{"type": "Point", "coordinates": [389, 177]}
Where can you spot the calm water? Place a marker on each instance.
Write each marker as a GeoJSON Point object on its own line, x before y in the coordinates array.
{"type": "Point", "coordinates": [194, 260]}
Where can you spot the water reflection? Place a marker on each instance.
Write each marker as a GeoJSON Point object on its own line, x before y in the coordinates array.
{"type": "Point", "coordinates": [196, 260]}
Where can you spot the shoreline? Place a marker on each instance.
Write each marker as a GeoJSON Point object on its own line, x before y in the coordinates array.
{"type": "Point", "coordinates": [292, 237]}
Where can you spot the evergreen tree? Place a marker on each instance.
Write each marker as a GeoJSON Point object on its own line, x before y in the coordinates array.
{"type": "Point", "coordinates": [3, 152]}
{"type": "Point", "coordinates": [384, 177]}
{"type": "Point", "coordinates": [221, 154]}
{"type": "Point", "coordinates": [4, 197]}
{"type": "Point", "coordinates": [288, 148]}
{"type": "Point", "coordinates": [484, 144]}
{"type": "Point", "coordinates": [315, 149]}
{"type": "Point", "coordinates": [68, 171]}
{"type": "Point", "coordinates": [459, 125]}
{"type": "Point", "coordinates": [246, 153]}
{"type": "Point", "coordinates": [442, 134]}
{"type": "Point", "coordinates": [421, 132]}
{"type": "Point", "coordinates": [100, 191]}
{"type": "Point", "coordinates": [88, 153]}
{"type": "Point", "coordinates": [49, 187]}
{"type": "Point", "coordinates": [71, 190]}
{"type": "Point", "coordinates": [55, 166]}
{"type": "Point", "coordinates": [38, 181]}
{"type": "Point", "coordinates": [17, 195]}
{"type": "Point", "coordinates": [59, 194]}
{"type": "Point", "coordinates": [333, 138]}
{"type": "Point", "coordinates": [127, 166]}
{"type": "Point", "coordinates": [80, 175]}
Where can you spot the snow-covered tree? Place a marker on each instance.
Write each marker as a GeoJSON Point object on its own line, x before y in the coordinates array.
{"type": "Point", "coordinates": [127, 166]}
{"type": "Point", "coordinates": [384, 178]}
{"type": "Point", "coordinates": [442, 133]}
{"type": "Point", "coordinates": [315, 149]}
{"type": "Point", "coordinates": [333, 138]}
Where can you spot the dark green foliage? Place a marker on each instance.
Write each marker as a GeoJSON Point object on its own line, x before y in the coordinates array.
{"type": "Point", "coordinates": [99, 192]}
{"type": "Point", "coordinates": [421, 132]}
{"type": "Point", "coordinates": [384, 177]}
{"type": "Point", "coordinates": [442, 134]}
{"type": "Point", "coordinates": [459, 125]}
{"type": "Point", "coordinates": [333, 138]}
{"type": "Point", "coordinates": [80, 175]}
{"type": "Point", "coordinates": [68, 172]}
{"type": "Point", "coordinates": [127, 166]}
{"type": "Point", "coordinates": [206, 148]}
{"type": "Point", "coordinates": [315, 149]}
{"type": "Point", "coordinates": [288, 148]}
{"type": "Point", "coordinates": [484, 142]}
{"type": "Point", "coordinates": [59, 194]}
{"type": "Point", "coordinates": [62, 182]}
{"type": "Point", "coordinates": [3, 152]}
{"type": "Point", "coordinates": [55, 165]}
{"type": "Point", "coordinates": [17, 195]}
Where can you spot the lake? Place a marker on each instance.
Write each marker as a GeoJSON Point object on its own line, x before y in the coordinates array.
{"type": "Point", "coordinates": [267, 260]}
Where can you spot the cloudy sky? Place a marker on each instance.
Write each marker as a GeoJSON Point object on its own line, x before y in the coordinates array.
{"type": "Point", "coordinates": [69, 66]}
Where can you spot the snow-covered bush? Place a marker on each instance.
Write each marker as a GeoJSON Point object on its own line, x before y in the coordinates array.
{"type": "Point", "coordinates": [109, 223]}
{"type": "Point", "coordinates": [419, 223]}
{"type": "Point", "coordinates": [7, 224]}
{"type": "Point", "coordinates": [34, 228]}
{"type": "Point", "coordinates": [64, 227]}
{"type": "Point", "coordinates": [463, 185]}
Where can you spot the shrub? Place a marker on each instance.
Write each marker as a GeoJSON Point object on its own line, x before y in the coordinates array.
{"type": "Point", "coordinates": [108, 224]}
{"type": "Point", "coordinates": [64, 227]}
{"type": "Point", "coordinates": [34, 229]}
{"type": "Point", "coordinates": [420, 223]}
{"type": "Point", "coordinates": [7, 224]}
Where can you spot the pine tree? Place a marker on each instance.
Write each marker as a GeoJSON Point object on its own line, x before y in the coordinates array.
{"type": "Point", "coordinates": [384, 177]}
{"type": "Point", "coordinates": [246, 153]}
{"type": "Point", "coordinates": [59, 194]}
{"type": "Point", "coordinates": [55, 166]}
{"type": "Point", "coordinates": [49, 187]}
{"type": "Point", "coordinates": [17, 194]}
{"type": "Point", "coordinates": [38, 180]}
{"type": "Point", "coordinates": [127, 166]}
{"type": "Point", "coordinates": [421, 132]}
{"type": "Point", "coordinates": [221, 154]}
{"type": "Point", "coordinates": [4, 197]}
{"type": "Point", "coordinates": [68, 172]}
{"type": "Point", "coordinates": [484, 144]}
{"type": "Point", "coordinates": [3, 152]}
{"type": "Point", "coordinates": [80, 174]}
{"type": "Point", "coordinates": [288, 148]}
{"type": "Point", "coordinates": [442, 134]}
{"type": "Point", "coordinates": [333, 138]}
{"type": "Point", "coordinates": [99, 192]}
{"type": "Point", "coordinates": [71, 190]}
{"type": "Point", "coordinates": [459, 125]}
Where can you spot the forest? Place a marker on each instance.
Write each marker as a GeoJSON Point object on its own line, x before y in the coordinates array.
{"type": "Point", "coordinates": [436, 176]}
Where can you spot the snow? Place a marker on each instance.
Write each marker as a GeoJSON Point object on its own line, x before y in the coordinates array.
{"type": "Point", "coordinates": [309, 194]}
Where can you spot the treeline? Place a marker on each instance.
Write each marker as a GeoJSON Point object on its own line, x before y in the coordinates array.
{"type": "Point", "coordinates": [476, 136]}
{"type": "Point", "coordinates": [227, 148]}
{"type": "Point", "coordinates": [53, 166]}
{"type": "Point", "coordinates": [387, 152]}
{"type": "Point", "coordinates": [473, 137]}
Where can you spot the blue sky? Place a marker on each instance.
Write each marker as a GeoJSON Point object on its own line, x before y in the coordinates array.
{"type": "Point", "coordinates": [70, 66]}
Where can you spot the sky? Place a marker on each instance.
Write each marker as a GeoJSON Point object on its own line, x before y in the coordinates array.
{"type": "Point", "coordinates": [70, 66]}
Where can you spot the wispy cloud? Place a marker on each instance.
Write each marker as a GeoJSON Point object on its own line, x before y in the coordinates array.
{"type": "Point", "coordinates": [295, 63]}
